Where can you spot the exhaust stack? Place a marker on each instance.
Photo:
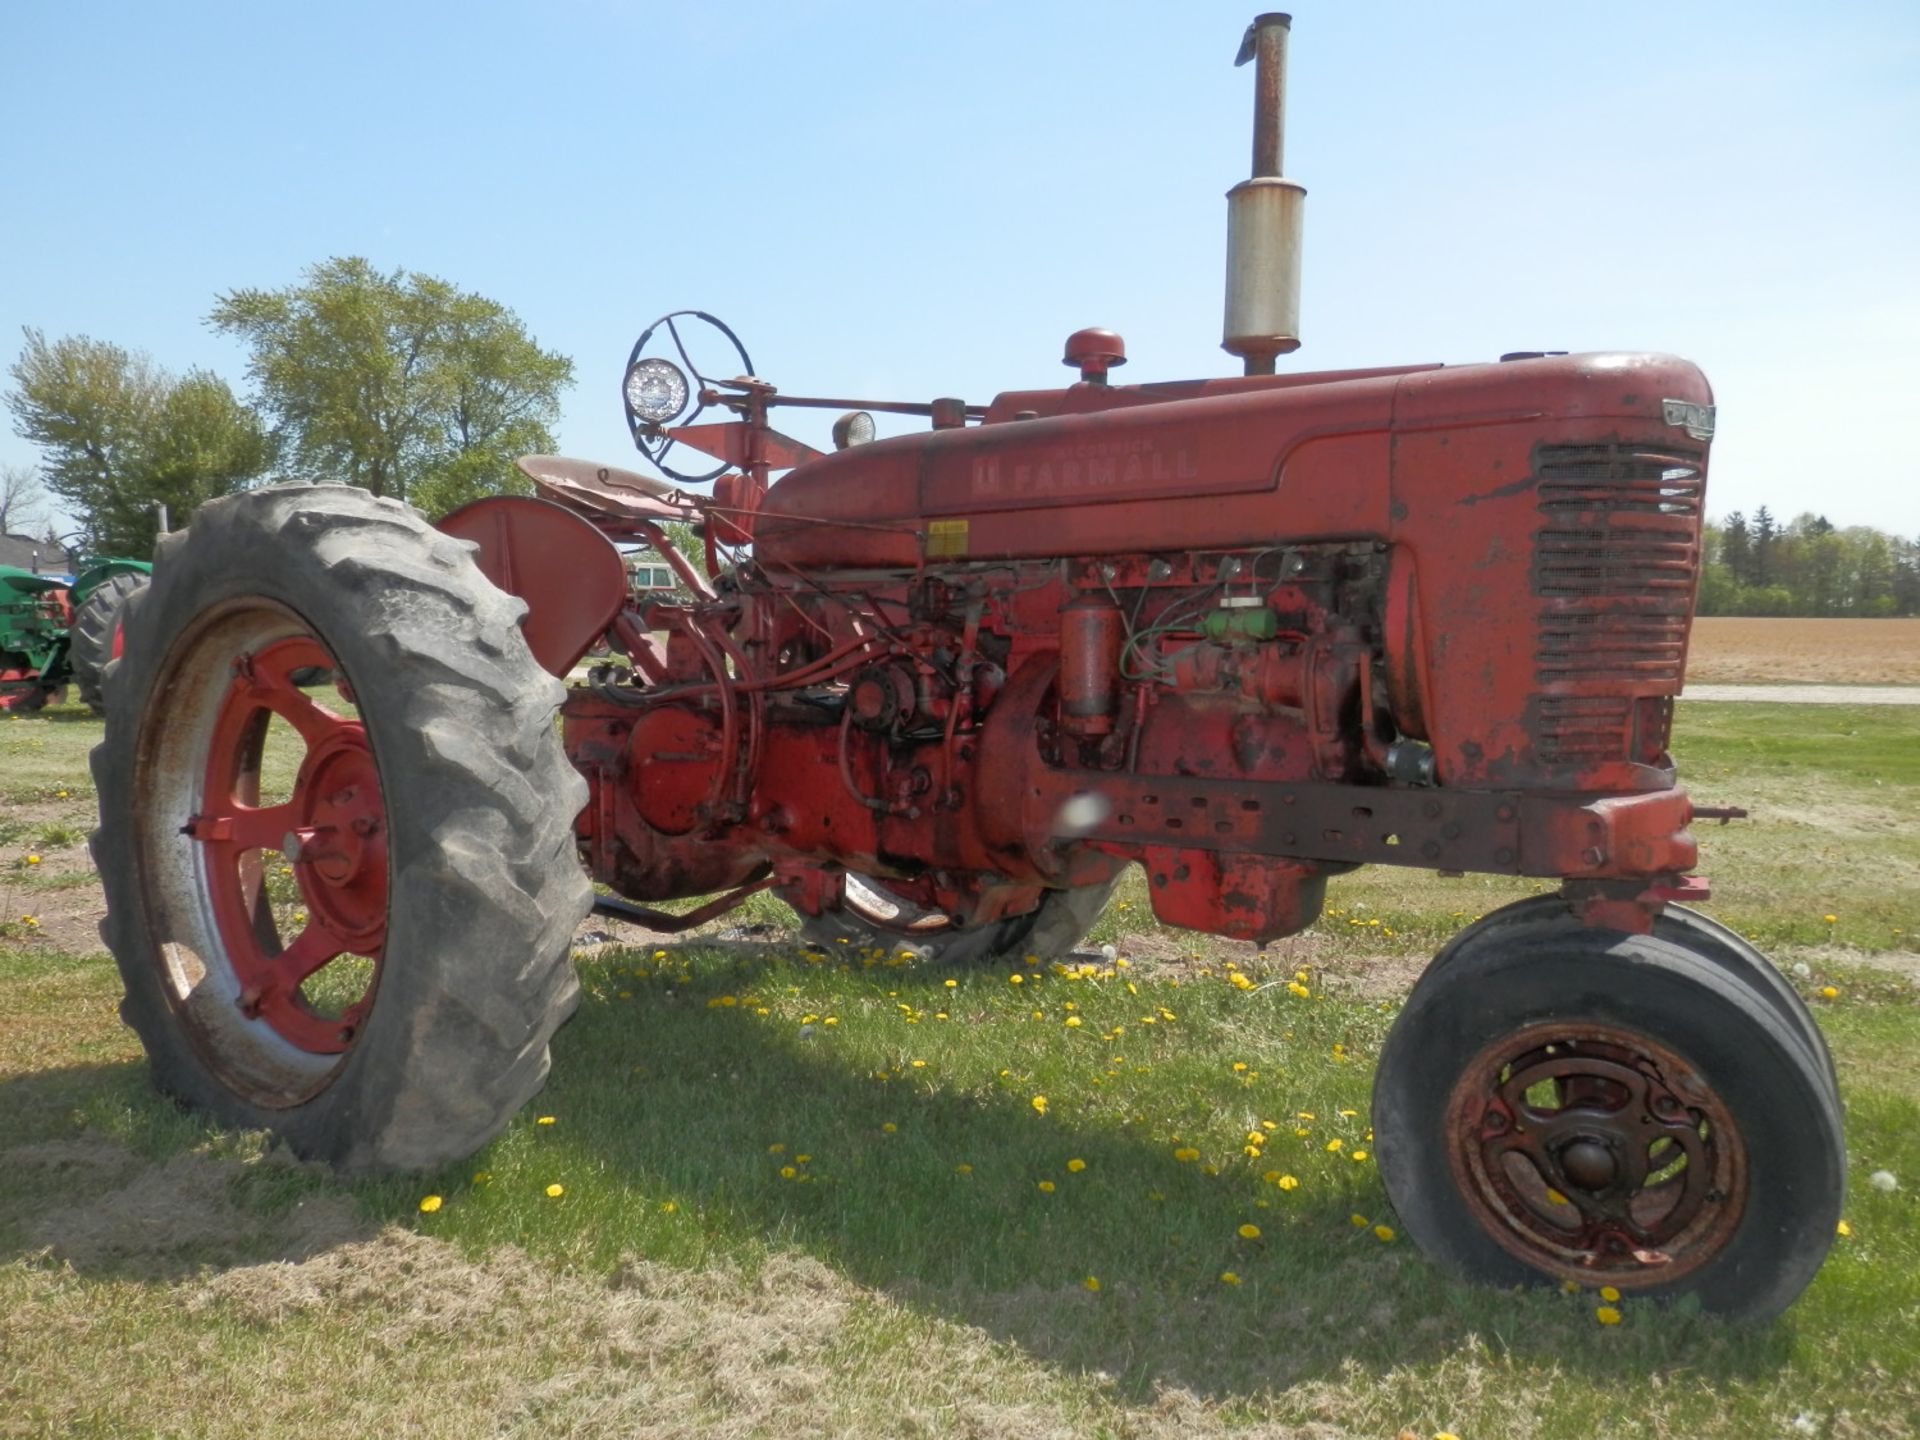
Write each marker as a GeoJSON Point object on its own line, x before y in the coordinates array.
{"type": "Point", "coordinates": [1265, 216]}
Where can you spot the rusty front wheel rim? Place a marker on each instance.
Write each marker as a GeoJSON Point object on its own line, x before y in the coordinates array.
{"type": "Point", "coordinates": [1596, 1154]}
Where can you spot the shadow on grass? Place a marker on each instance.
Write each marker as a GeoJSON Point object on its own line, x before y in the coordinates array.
{"type": "Point", "coordinates": [665, 1095]}
{"type": "Point", "coordinates": [667, 1101]}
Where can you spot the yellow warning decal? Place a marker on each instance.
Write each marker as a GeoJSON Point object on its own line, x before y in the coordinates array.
{"type": "Point", "coordinates": [946, 538]}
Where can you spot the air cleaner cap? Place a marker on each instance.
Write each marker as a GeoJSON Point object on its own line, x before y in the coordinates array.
{"type": "Point", "coordinates": [1095, 351]}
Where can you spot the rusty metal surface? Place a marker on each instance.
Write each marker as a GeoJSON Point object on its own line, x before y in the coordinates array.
{"type": "Point", "coordinates": [1596, 1154]}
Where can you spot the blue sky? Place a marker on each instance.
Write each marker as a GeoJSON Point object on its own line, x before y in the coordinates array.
{"type": "Point", "coordinates": [904, 200]}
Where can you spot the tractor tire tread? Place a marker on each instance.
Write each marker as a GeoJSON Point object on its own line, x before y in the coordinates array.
{"type": "Point", "coordinates": [486, 885]}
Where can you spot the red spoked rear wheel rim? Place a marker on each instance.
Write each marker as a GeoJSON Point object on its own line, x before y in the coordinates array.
{"type": "Point", "coordinates": [331, 832]}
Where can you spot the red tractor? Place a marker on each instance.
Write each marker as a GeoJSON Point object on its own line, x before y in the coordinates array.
{"type": "Point", "coordinates": [939, 690]}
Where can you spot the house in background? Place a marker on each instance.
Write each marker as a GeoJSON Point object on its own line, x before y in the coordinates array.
{"type": "Point", "coordinates": [42, 557]}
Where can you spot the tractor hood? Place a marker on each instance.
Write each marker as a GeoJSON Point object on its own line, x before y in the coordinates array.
{"type": "Point", "coordinates": [1095, 469]}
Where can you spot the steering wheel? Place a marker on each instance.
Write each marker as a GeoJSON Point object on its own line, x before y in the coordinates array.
{"type": "Point", "coordinates": [655, 389]}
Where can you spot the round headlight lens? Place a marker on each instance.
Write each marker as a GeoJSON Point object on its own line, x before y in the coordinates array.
{"type": "Point", "coordinates": [656, 390]}
{"type": "Point", "coordinates": [853, 428]}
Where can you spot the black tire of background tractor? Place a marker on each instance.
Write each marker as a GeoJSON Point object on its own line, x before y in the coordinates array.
{"type": "Point", "coordinates": [90, 642]}
{"type": "Point", "coordinates": [1550, 970]}
{"type": "Point", "coordinates": [1059, 923]}
{"type": "Point", "coordinates": [484, 886]}
{"type": "Point", "coordinates": [1691, 931]}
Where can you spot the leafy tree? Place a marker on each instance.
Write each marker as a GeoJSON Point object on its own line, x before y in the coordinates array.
{"type": "Point", "coordinates": [1765, 534]}
{"type": "Point", "coordinates": [1736, 549]}
{"type": "Point", "coordinates": [119, 435]}
{"type": "Point", "coordinates": [398, 382]}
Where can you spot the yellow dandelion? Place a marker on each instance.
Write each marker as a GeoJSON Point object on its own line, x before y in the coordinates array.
{"type": "Point", "coordinates": [801, 1159]}
{"type": "Point", "coordinates": [667, 1207]}
{"type": "Point", "coordinates": [481, 1177]}
{"type": "Point", "coordinates": [1357, 1220]}
{"type": "Point", "coordinates": [1843, 1230]}
{"type": "Point", "coordinates": [33, 859]}
{"type": "Point", "coordinates": [787, 1172]}
{"type": "Point", "coordinates": [1304, 1115]}
{"type": "Point", "coordinates": [1335, 1146]}
{"type": "Point", "coordinates": [429, 1204]}
{"type": "Point", "coordinates": [1076, 1166]}
{"type": "Point", "coordinates": [1298, 989]}
{"type": "Point", "coordinates": [1249, 1232]}
{"type": "Point", "coordinates": [888, 1128]}
{"type": "Point", "coordinates": [919, 1064]}
{"type": "Point", "coordinates": [1092, 1282]}
{"type": "Point", "coordinates": [1016, 979]}
{"type": "Point", "coordinates": [776, 1149]}
{"type": "Point", "coordinates": [963, 1168]}
{"type": "Point", "coordinates": [1073, 1022]}
{"type": "Point", "coordinates": [1357, 1155]}
{"type": "Point", "coordinates": [554, 1192]}
{"type": "Point", "coordinates": [1609, 1294]}
{"type": "Point", "coordinates": [1039, 1103]}
{"type": "Point", "coordinates": [1046, 1187]}
{"type": "Point", "coordinates": [1385, 1233]}
{"type": "Point", "coordinates": [1186, 1154]}
{"type": "Point", "coordinates": [1827, 992]}
{"type": "Point", "coordinates": [1227, 1277]}
{"type": "Point", "coordinates": [1829, 918]}
{"type": "Point", "coordinates": [952, 984]}
{"type": "Point", "coordinates": [544, 1120]}
{"type": "Point", "coordinates": [1607, 1315]}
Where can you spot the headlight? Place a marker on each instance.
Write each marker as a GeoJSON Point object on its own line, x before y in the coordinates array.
{"type": "Point", "coordinates": [656, 390]}
{"type": "Point", "coordinates": [853, 428]}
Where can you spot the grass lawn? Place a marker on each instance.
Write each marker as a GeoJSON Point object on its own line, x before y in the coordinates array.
{"type": "Point", "coordinates": [835, 1193]}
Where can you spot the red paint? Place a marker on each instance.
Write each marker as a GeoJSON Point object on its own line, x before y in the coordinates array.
{"type": "Point", "coordinates": [571, 577]}
{"type": "Point", "coordinates": [1211, 627]}
{"type": "Point", "coordinates": [331, 830]}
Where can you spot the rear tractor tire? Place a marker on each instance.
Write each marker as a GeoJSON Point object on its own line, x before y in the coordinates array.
{"type": "Point", "coordinates": [96, 637]}
{"type": "Point", "coordinates": [1557, 1103]}
{"type": "Point", "coordinates": [347, 924]}
{"type": "Point", "coordinates": [871, 917]}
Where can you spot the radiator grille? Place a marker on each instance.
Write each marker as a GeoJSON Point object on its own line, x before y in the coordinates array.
{"type": "Point", "coordinates": [1568, 729]}
{"type": "Point", "coordinates": [1616, 560]}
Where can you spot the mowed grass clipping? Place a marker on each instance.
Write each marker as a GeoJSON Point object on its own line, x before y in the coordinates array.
{"type": "Point", "coordinates": [806, 1191]}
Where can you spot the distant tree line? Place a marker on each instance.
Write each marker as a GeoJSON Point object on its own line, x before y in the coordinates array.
{"type": "Point", "coordinates": [1756, 566]}
{"type": "Point", "coordinates": [398, 382]}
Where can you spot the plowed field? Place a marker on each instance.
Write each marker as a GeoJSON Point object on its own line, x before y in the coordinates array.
{"type": "Point", "coordinates": [1731, 650]}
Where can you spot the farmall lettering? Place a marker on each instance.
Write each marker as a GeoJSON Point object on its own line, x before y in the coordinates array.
{"type": "Point", "coordinates": [946, 690]}
{"type": "Point", "coordinates": [1086, 469]}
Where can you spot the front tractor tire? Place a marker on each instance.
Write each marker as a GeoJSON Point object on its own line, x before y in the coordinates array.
{"type": "Point", "coordinates": [1563, 1104]}
{"type": "Point", "coordinates": [358, 935]}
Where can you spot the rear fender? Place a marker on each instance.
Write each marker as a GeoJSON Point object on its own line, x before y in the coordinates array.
{"type": "Point", "coordinates": [570, 575]}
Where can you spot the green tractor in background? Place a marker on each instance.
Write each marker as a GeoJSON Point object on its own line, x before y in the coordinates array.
{"type": "Point", "coordinates": [54, 631]}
